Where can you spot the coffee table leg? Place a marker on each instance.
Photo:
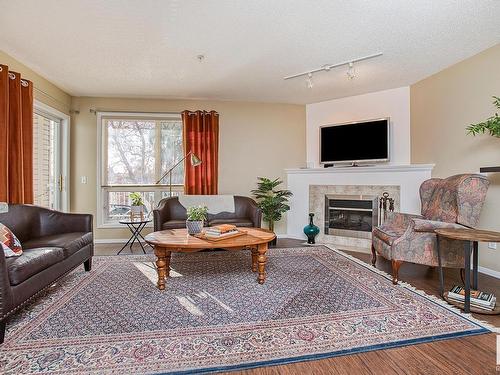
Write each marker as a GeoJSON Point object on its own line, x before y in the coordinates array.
{"type": "Point", "coordinates": [255, 255]}
{"type": "Point", "coordinates": [262, 259]}
{"type": "Point", "coordinates": [162, 265]}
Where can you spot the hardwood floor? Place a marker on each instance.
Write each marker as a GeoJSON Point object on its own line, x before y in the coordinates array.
{"type": "Point", "coordinates": [469, 355]}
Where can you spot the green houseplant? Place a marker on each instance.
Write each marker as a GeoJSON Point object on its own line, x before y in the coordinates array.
{"type": "Point", "coordinates": [137, 204]}
{"type": "Point", "coordinates": [491, 124]}
{"type": "Point", "coordinates": [272, 201]}
{"type": "Point", "coordinates": [196, 216]}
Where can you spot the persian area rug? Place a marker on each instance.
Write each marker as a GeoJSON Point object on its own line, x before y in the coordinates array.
{"type": "Point", "coordinates": [214, 316]}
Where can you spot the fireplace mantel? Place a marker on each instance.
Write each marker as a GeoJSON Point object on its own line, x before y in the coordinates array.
{"type": "Point", "coordinates": [380, 168]}
{"type": "Point", "coordinates": [407, 177]}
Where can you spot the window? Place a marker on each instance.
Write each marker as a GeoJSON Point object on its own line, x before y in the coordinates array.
{"type": "Point", "coordinates": [50, 157]}
{"type": "Point", "coordinates": [136, 151]}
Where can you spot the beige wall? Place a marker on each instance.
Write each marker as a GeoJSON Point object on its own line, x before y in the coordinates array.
{"type": "Point", "coordinates": [45, 91]}
{"type": "Point", "coordinates": [255, 140]}
{"type": "Point", "coordinates": [441, 107]}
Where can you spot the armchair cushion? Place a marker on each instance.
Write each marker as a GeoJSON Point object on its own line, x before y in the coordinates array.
{"type": "Point", "coordinates": [423, 225]}
{"type": "Point", "coordinates": [32, 262]}
{"type": "Point", "coordinates": [69, 242]}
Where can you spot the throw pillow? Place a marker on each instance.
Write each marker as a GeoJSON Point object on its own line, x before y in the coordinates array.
{"type": "Point", "coordinates": [10, 244]}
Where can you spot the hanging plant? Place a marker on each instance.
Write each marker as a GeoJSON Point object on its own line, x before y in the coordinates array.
{"type": "Point", "coordinates": [492, 124]}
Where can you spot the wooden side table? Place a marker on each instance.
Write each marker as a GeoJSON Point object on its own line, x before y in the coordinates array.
{"type": "Point", "coordinates": [471, 237]}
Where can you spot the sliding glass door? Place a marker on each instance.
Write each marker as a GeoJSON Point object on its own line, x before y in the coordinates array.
{"type": "Point", "coordinates": [49, 160]}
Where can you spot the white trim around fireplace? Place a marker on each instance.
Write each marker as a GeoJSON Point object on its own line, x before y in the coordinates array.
{"type": "Point", "coordinates": [407, 177]}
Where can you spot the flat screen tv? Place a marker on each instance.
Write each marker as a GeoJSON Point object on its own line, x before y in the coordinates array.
{"type": "Point", "coordinates": [355, 142]}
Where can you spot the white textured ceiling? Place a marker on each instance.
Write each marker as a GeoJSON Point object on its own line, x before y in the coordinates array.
{"type": "Point", "coordinates": [148, 48]}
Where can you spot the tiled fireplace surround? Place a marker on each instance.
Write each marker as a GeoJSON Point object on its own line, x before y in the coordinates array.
{"type": "Point", "coordinates": [349, 239]}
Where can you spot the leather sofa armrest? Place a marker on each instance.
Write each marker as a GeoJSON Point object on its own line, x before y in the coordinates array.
{"type": "Point", "coordinates": [6, 303]}
{"type": "Point", "coordinates": [55, 222]}
{"type": "Point", "coordinates": [160, 214]}
{"type": "Point", "coordinates": [254, 213]}
{"type": "Point", "coordinates": [423, 225]}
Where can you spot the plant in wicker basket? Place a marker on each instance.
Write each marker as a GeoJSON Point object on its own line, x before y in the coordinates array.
{"type": "Point", "coordinates": [196, 216]}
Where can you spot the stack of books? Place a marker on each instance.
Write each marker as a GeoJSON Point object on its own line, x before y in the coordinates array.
{"type": "Point", "coordinates": [222, 230]}
{"type": "Point", "coordinates": [479, 300]}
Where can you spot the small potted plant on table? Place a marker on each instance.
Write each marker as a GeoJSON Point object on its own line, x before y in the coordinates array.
{"type": "Point", "coordinates": [137, 205]}
{"type": "Point", "coordinates": [196, 216]}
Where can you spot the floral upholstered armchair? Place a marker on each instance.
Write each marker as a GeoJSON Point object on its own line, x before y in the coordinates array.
{"type": "Point", "coordinates": [453, 202]}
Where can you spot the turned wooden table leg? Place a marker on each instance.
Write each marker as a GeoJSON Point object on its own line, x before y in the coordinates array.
{"type": "Point", "coordinates": [162, 265]}
{"type": "Point", "coordinates": [255, 255]}
{"type": "Point", "coordinates": [261, 260]}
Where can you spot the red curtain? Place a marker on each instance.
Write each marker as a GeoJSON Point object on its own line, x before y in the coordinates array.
{"type": "Point", "coordinates": [16, 138]}
{"type": "Point", "coordinates": [201, 137]}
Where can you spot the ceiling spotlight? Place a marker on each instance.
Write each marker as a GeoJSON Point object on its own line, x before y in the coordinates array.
{"type": "Point", "coordinates": [309, 81]}
{"type": "Point", "coordinates": [351, 73]}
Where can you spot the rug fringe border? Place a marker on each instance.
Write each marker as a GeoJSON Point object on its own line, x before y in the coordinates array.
{"type": "Point", "coordinates": [420, 292]}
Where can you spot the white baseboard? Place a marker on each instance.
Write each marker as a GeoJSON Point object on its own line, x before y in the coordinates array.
{"type": "Point", "coordinates": [489, 272]}
{"type": "Point", "coordinates": [115, 240]}
{"type": "Point", "coordinates": [284, 235]}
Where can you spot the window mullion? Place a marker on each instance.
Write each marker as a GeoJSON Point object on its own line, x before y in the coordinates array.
{"type": "Point", "coordinates": [157, 150]}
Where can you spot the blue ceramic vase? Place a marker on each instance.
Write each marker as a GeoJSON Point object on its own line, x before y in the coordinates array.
{"type": "Point", "coordinates": [311, 230]}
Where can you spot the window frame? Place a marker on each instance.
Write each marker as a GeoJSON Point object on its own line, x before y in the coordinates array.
{"type": "Point", "coordinates": [102, 189]}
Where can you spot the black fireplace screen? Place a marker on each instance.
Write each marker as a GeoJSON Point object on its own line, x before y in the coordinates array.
{"type": "Point", "coordinates": [349, 214]}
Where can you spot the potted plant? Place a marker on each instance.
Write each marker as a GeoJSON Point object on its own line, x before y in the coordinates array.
{"type": "Point", "coordinates": [272, 201]}
{"type": "Point", "coordinates": [137, 204]}
{"type": "Point", "coordinates": [491, 124]}
{"type": "Point", "coordinates": [196, 216]}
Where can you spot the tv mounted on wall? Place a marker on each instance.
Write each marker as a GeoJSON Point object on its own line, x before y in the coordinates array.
{"type": "Point", "coordinates": [354, 142]}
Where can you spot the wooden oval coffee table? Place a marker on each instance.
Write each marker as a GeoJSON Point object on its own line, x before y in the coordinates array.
{"type": "Point", "coordinates": [169, 241]}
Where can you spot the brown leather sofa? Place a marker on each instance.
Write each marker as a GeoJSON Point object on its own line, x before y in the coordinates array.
{"type": "Point", "coordinates": [53, 242]}
{"type": "Point", "coordinates": [170, 214]}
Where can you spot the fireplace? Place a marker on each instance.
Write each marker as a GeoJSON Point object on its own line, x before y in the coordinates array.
{"type": "Point", "coordinates": [350, 215]}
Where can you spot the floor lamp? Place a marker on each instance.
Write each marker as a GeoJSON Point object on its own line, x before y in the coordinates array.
{"type": "Point", "coordinates": [194, 160]}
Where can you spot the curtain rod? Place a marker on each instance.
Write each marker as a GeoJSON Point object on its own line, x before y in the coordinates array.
{"type": "Point", "coordinates": [94, 111]}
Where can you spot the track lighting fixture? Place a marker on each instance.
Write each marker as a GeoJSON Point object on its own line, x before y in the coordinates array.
{"type": "Point", "coordinates": [309, 81]}
{"type": "Point", "coordinates": [351, 73]}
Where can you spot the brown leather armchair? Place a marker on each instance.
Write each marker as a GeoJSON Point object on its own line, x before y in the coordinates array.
{"type": "Point", "coordinates": [170, 214]}
{"type": "Point", "coordinates": [53, 242]}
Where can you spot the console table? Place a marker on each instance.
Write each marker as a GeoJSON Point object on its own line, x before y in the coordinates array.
{"type": "Point", "coordinates": [471, 238]}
